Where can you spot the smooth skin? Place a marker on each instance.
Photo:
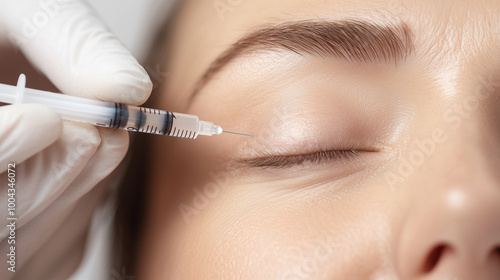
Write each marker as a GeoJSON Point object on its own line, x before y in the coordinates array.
{"type": "Point", "coordinates": [420, 197]}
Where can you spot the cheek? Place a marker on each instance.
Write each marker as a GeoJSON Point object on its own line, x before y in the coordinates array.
{"type": "Point", "coordinates": [260, 232]}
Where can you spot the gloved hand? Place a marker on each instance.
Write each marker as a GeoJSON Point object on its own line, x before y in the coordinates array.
{"type": "Point", "coordinates": [60, 168]}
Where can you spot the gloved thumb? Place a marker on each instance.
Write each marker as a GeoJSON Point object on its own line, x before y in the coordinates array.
{"type": "Point", "coordinates": [25, 130]}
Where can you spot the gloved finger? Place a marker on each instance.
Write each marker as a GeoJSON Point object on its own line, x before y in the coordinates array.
{"type": "Point", "coordinates": [82, 157]}
{"type": "Point", "coordinates": [25, 130]}
{"type": "Point", "coordinates": [77, 161]}
{"type": "Point", "coordinates": [60, 187]}
{"type": "Point", "coordinates": [70, 45]}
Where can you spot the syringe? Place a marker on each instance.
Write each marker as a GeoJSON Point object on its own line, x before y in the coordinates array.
{"type": "Point", "coordinates": [113, 115]}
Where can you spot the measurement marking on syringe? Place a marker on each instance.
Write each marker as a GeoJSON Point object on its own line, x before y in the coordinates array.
{"type": "Point", "coordinates": [114, 119]}
{"type": "Point", "coordinates": [122, 116]}
{"type": "Point", "coordinates": [167, 125]}
{"type": "Point", "coordinates": [114, 115]}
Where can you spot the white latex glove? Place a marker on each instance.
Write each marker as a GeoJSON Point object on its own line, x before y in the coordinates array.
{"type": "Point", "coordinates": [61, 171]}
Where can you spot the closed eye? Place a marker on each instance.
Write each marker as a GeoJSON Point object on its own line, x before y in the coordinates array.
{"type": "Point", "coordinates": [285, 161]}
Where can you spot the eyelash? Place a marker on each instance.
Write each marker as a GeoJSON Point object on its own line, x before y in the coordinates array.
{"type": "Point", "coordinates": [294, 160]}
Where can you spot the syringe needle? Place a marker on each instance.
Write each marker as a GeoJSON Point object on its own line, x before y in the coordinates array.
{"type": "Point", "coordinates": [237, 133]}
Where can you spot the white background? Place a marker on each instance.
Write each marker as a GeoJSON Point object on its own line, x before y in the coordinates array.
{"type": "Point", "coordinates": [135, 22]}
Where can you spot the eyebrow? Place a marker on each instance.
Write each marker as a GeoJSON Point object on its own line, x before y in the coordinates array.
{"type": "Point", "coordinates": [351, 40]}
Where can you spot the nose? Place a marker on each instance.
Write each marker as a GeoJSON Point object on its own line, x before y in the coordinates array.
{"type": "Point", "coordinates": [453, 231]}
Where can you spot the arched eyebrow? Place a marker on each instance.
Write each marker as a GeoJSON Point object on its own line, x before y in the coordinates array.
{"type": "Point", "coordinates": [351, 40]}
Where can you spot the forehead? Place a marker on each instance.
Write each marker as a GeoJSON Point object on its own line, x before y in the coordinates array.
{"type": "Point", "coordinates": [443, 29]}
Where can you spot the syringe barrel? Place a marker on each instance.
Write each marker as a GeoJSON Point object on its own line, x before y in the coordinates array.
{"type": "Point", "coordinates": [115, 115]}
{"type": "Point", "coordinates": [160, 122]}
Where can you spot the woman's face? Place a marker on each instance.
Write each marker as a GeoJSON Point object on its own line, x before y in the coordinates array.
{"type": "Point", "coordinates": [375, 147]}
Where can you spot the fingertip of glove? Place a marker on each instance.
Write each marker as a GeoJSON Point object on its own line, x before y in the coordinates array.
{"type": "Point", "coordinates": [127, 86]}
{"type": "Point", "coordinates": [81, 57]}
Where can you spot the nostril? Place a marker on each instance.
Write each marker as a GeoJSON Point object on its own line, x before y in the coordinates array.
{"type": "Point", "coordinates": [432, 259]}
{"type": "Point", "coordinates": [495, 254]}
{"type": "Point", "coordinates": [496, 251]}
